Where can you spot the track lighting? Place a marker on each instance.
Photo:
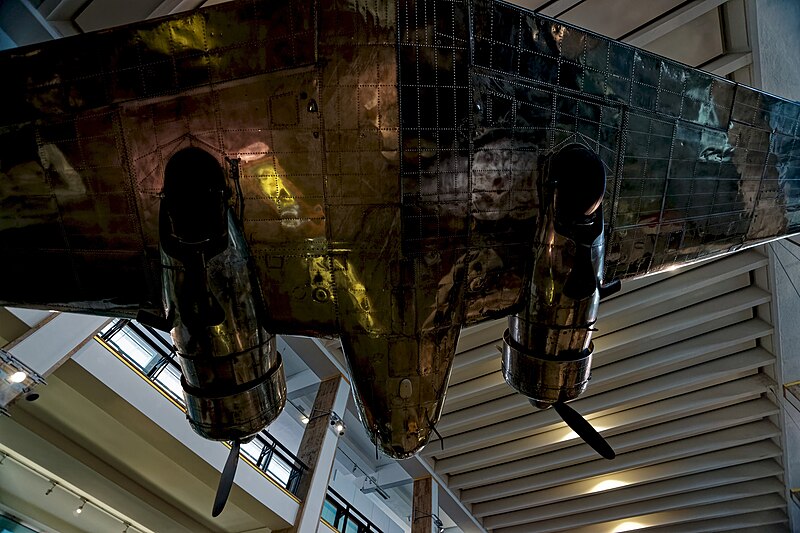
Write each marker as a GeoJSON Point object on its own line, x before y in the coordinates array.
{"type": "Point", "coordinates": [78, 511]}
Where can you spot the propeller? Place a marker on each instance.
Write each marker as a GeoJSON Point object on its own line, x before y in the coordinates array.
{"type": "Point", "coordinates": [584, 429]}
{"type": "Point", "coordinates": [226, 480]}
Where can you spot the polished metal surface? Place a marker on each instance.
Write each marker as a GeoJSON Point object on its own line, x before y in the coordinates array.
{"type": "Point", "coordinates": [547, 349]}
{"type": "Point", "coordinates": [232, 375]}
{"type": "Point", "coordinates": [544, 380]}
{"type": "Point", "coordinates": [233, 380]}
{"type": "Point", "coordinates": [390, 165]}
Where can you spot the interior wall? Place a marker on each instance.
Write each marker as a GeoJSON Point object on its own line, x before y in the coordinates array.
{"type": "Point", "coordinates": [779, 63]}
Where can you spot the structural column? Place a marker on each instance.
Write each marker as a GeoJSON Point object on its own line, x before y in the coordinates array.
{"type": "Point", "coordinates": [318, 450]}
{"type": "Point", "coordinates": [425, 506]}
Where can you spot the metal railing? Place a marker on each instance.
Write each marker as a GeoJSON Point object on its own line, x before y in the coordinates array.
{"type": "Point", "coordinates": [151, 353]}
{"type": "Point", "coordinates": [343, 517]}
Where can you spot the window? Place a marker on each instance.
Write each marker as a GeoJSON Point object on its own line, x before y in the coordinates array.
{"type": "Point", "coordinates": [151, 351]}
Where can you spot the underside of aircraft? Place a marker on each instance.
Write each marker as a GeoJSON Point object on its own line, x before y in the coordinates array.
{"type": "Point", "coordinates": [387, 172]}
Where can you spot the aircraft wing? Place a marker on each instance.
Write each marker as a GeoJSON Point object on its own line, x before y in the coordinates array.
{"type": "Point", "coordinates": [383, 151]}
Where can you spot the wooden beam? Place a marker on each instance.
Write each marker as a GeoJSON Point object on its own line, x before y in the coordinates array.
{"type": "Point", "coordinates": [315, 431]}
{"type": "Point", "coordinates": [422, 510]}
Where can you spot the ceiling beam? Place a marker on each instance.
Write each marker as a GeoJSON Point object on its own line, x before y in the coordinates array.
{"type": "Point", "coordinates": [665, 359]}
{"type": "Point", "coordinates": [618, 499]}
{"type": "Point", "coordinates": [675, 518]}
{"type": "Point", "coordinates": [749, 455]}
{"type": "Point", "coordinates": [695, 320]}
{"type": "Point", "coordinates": [693, 499]}
{"type": "Point", "coordinates": [754, 431]}
{"type": "Point", "coordinates": [672, 21]}
{"type": "Point", "coordinates": [652, 334]}
{"type": "Point", "coordinates": [504, 438]}
{"type": "Point", "coordinates": [770, 521]}
{"type": "Point", "coordinates": [676, 286]}
{"type": "Point", "coordinates": [728, 63]}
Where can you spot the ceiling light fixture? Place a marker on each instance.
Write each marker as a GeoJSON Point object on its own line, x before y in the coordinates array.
{"type": "Point", "coordinates": [303, 416]}
{"type": "Point", "coordinates": [79, 510]}
{"type": "Point", "coordinates": [609, 484]}
{"type": "Point", "coordinates": [18, 377]}
{"type": "Point", "coordinates": [628, 526]}
{"type": "Point", "coordinates": [337, 423]}
{"type": "Point", "coordinates": [51, 488]}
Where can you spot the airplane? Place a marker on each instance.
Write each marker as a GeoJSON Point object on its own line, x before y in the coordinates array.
{"type": "Point", "coordinates": [388, 172]}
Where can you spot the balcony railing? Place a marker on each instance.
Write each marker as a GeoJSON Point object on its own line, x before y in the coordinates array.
{"type": "Point", "coordinates": [340, 516]}
{"type": "Point", "coordinates": [151, 353]}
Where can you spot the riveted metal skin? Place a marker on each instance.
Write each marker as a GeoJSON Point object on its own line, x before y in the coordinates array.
{"type": "Point", "coordinates": [390, 168]}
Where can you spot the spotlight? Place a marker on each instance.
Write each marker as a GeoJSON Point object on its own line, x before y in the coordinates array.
{"type": "Point", "coordinates": [18, 377]}
{"type": "Point", "coordinates": [304, 419]}
{"type": "Point", "coordinates": [79, 510]}
{"type": "Point", "coordinates": [50, 489]}
{"type": "Point", "coordinates": [337, 424]}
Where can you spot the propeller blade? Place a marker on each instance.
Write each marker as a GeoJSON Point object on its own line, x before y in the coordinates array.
{"type": "Point", "coordinates": [226, 480]}
{"type": "Point", "coordinates": [584, 429]}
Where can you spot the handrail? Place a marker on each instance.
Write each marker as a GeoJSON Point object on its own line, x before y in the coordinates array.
{"type": "Point", "coordinates": [344, 512]}
{"type": "Point", "coordinates": [270, 448]}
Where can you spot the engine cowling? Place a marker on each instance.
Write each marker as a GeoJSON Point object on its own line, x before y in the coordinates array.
{"type": "Point", "coordinates": [547, 349]}
{"type": "Point", "coordinates": [233, 379]}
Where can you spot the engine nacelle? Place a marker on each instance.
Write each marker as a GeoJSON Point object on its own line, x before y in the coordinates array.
{"type": "Point", "coordinates": [547, 349]}
{"type": "Point", "coordinates": [233, 379]}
